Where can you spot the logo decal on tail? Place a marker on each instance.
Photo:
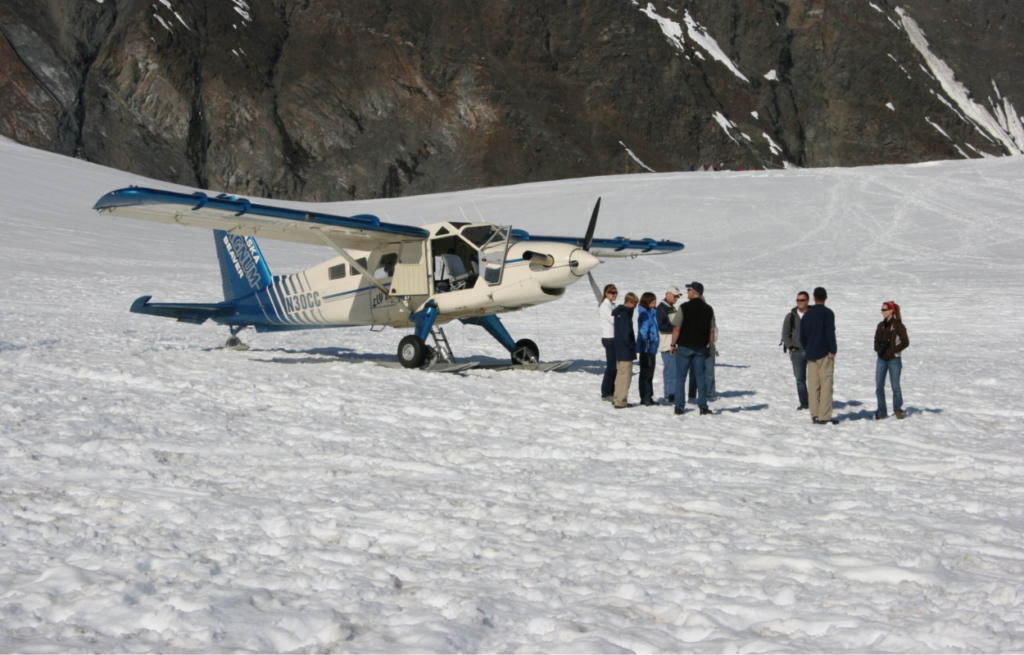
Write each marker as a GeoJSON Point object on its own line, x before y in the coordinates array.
{"type": "Point", "coordinates": [245, 257]}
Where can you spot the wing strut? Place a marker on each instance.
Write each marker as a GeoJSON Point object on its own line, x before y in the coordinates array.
{"type": "Point", "coordinates": [356, 267]}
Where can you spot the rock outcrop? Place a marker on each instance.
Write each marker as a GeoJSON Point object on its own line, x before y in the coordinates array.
{"type": "Point", "coordinates": [332, 100]}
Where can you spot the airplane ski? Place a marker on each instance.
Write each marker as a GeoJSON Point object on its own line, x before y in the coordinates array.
{"type": "Point", "coordinates": [437, 367]}
{"type": "Point", "coordinates": [539, 367]}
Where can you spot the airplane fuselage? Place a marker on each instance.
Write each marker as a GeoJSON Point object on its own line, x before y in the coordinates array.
{"type": "Point", "coordinates": [495, 277]}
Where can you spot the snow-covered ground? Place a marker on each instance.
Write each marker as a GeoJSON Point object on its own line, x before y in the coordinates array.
{"type": "Point", "coordinates": [158, 493]}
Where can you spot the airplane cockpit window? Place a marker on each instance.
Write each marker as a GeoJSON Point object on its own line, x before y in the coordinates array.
{"type": "Point", "coordinates": [336, 272]}
{"type": "Point", "coordinates": [386, 266]}
{"type": "Point", "coordinates": [478, 235]}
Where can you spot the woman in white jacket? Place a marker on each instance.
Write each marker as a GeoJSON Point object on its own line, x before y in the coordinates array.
{"type": "Point", "coordinates": [608, 341]}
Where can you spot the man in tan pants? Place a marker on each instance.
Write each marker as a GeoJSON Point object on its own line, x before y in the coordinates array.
{"type": "Point", "coordinates": [818, 337]}
{"type": "Point", "coordinates": [819, 387]}
{"type": "Point", "coordinates": [625, 349]}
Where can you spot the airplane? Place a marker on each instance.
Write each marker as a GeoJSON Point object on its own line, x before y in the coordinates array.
{"type": "Point", "coordinates": [385, 274]}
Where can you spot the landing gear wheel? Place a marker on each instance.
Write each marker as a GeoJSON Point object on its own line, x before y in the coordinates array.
{"type": "Point", "coordinates": [526, 352]}
{"type": "Point", "coordinates": [412, 352]}
{"type": "Point", "coordinates": [234, 343]}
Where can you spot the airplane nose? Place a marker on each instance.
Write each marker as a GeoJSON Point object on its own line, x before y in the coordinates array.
{"type": "Point", "coordinates": [582, 262]}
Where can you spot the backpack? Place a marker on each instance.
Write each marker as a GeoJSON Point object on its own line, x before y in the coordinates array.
{"type": "Point", "coordinates": [792, 326]}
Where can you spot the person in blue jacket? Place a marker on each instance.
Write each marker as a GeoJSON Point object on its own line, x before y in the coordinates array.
{"type": "Point", "coordinates": [647, 342]}
{"type": "Point", "coordinates": [625, 350]}
{"type": "Point", "coordinates": [818, 337]}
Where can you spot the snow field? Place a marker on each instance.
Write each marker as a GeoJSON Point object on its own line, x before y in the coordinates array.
{"type": "Point", "coordinates": [157, 492]}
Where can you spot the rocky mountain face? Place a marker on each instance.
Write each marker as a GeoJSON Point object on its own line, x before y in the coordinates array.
{"type": "Point", "coordinates": [333, 100]}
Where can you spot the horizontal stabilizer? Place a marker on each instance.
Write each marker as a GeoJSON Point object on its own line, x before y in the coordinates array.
{"type": "Point", "coordinates": [195, 313]}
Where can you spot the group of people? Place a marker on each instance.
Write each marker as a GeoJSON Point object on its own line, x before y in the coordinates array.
{"type": "Point", "coordinates": [685, 338]}
{"type": "Point", "coordinates": [809, 336]}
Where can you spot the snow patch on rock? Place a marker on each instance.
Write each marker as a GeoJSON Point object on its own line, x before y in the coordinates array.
{"type": "Point", "coordinates": [163, 22]}
{"type": "Point", "coordinates": [726, 125]}
{"type": "Point", "coordinates": [775, 148]}
{"type": "Point", "coordinates": [997, 126]}
{"type": "Point", "coordinates": [695, 32]}
{"type": "Point", "coordinates": [635, 158]}
{"type": "Point", "coordinates": [699, 34]}
{"type": "Point", "coordinates": [672, 30]}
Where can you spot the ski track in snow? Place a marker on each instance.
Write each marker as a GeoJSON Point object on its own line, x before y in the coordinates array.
{"type": "Point", "coordinates": [158, 493]}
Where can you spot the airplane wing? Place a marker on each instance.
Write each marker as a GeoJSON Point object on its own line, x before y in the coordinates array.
{"type": "Point", "coordinates": [617, 247]}
{"type": "Point", "coordinates": [239, 216]}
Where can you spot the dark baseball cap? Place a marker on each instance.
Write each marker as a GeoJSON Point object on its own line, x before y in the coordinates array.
{"type": "Point", "coordinates": [696, 286]}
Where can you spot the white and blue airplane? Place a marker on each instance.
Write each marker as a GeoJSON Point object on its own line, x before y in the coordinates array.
{"type": "Point", "coordinates": [385, 274]}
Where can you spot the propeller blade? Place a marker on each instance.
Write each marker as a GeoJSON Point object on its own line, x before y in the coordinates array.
{"type": "Point", "coordinates": [590, 228]}
{"type": "Point", "coordinates": [597, 289]}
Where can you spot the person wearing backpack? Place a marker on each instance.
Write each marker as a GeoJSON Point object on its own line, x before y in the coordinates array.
{"type": "Point", "coordinates": [890, 340]}
{"type": "Point", "coordinates": [792, 346]}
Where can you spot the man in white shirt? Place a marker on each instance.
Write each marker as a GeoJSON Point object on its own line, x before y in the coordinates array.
{"type": "Point", "coordinates": [668, 362]}
{"type": "Point", "coordinates": [608, 341]}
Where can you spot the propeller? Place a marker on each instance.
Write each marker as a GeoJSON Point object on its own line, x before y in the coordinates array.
{"type": "Point", "coordinates": [587, 240]}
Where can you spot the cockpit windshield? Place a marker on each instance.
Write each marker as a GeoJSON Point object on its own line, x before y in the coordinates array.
{"type": "Point", "coordinates": [478, 235]}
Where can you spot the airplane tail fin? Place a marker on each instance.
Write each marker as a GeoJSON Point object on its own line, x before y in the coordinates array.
{"type": "Point", "coordinates": [242, 267]}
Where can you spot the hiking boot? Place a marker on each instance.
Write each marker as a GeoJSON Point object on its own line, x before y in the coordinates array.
{"type": "Point", "coordinates": [670, 399]}
{"type": "Point", "coordinates": [802, 407]}
{"type": "Point", "coordinates": [626, 406]}
{"type": "Point", "coordinates": [704, 411]}
{"type": "Point", "coordinates": [879, 415]}
{"type": "Point", "coordinates": [608, 399]}
{"type": "Point", "coordinates": [679, 411]}
{"type": "Point", "coordinates": [829, 422]}
{"type": "Point", "coordinates": [899, 413]}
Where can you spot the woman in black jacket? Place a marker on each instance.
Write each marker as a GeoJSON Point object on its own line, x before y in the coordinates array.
{"type": "Point", "coordinates": [890, 340]}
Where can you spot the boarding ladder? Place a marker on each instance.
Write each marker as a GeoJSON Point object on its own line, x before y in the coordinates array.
{"type": "Point", "coordinates": [441, 346]}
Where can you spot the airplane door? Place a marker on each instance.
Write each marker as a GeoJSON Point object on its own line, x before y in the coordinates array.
{"type": "Point", "coordinates": [410, 278]}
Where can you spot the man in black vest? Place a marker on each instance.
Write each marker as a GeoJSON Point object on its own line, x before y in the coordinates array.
{"type": "Point", "coordinates": [692, 344]}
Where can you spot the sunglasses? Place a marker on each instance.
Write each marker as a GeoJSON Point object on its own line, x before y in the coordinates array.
{"type": "Point", "coordinates": [801, 299]}
{"type": "Point", "coordinates": [887, 309]}
{"type": "Point", "coordinates": [613, 292]}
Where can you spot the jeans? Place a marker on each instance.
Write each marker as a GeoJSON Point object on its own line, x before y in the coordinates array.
{"type": "Point", "coordinates": [709, 378]}
{"type": "Point", "coordinates": [690, 360]}
{"type": "Point", "coordinates": [668, 373]}
{"type": "Point", "coordinates": [893, 367]}
{"type": "Point", "coordinates": [799, 359]}
{"type": "Point", "coordinates": [608, 383]}
{"type": "Point", "coordinates": [648, 362]}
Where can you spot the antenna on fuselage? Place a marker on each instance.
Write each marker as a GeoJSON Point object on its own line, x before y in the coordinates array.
{"type": "Point", "coordinates": [482, 219]}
